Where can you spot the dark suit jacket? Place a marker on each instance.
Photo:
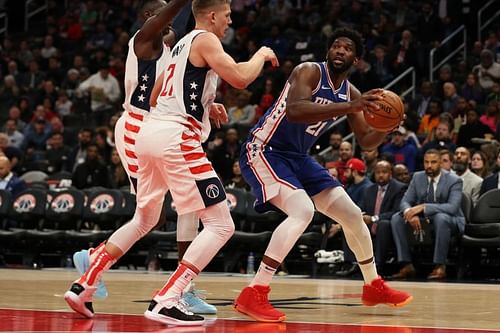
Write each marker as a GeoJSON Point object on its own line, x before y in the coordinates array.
{"type": "Point", "coordinates": [390, 203]}
{"type": "Point", "coordinates": [16, 185]}
{"type": "Point", "coordinates": [448, 196]}
{"type": "Point", "coordinates": [489, 183]}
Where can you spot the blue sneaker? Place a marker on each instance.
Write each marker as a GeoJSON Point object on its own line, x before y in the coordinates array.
{"type": "Point", "coordinates": [81, 260]}
{"type": "Point", "coordinates": [196, 304]}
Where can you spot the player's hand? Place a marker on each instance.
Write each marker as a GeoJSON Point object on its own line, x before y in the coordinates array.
{"type": "Point", "coordinates": [269, 55]}
{"type": "Point", "coordinates": [367, 101]}
{"type": "Point", "coordinates": [218, 114]}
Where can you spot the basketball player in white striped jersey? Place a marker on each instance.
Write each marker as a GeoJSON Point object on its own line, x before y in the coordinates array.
{"type": "Point", "coordinates": [147, 57]}
{"type": "Point", "coordinates": [170, 153]}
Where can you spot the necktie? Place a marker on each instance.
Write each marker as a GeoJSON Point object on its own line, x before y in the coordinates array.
{"type": "Point", "coordinates": [430, 191]}
{"type": "Point", "coordinates": [378, 200]}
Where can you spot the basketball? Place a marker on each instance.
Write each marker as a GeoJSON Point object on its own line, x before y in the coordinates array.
{"type": "Point", "coordinates": [389, 115]}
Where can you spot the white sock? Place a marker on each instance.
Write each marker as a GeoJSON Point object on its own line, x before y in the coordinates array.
{"type": "Point", "coordinates": [369, 272]}
{"type": "Point", "coordinates": [175, 285]}
{"type": "Point", "coordinates": [263, 276]}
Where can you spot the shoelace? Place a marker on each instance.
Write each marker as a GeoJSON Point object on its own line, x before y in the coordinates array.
{"type": "Point", "coordinates": [183, 306]}
{"type": "Point", "coordinates": [263, 301]}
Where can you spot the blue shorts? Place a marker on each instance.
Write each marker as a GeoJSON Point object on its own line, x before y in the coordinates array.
{"type": "Point", "coordinates": [266, 170]}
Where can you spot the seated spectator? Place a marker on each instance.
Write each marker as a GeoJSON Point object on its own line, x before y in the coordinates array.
{"type": "Point", "coordinates": [491, 115]}
{"type": "Point", "coordinates": [446, 159]}
{"type": "Point", "coordinates": [224, 154]}
{"type": "Point", "coordinates": [434, 197]}
{"type": "Point", "coordinates": [243, 113]}
{"type": "Point", "coordinates": [370, 157]}
{"type": "Point", "coordinates": [14, 154]}
{"type": "Point", "coordinates": [237, 180]}
{"type": "Point", "coordinates": [116, 171]}
{"type": "Point", "coordinates": [473, 128]}
{"type": "Point", "coordinates": [442, 138]}
{"type": "Point", "coordinates": [450, 97]}
{"type": "Point", "coordinates": [36, 135]}
{"type": "Point", "coordinates": [331, 153]}
{"type": "Point", "coordinates": [79, 151]}
{"type": "Point", "coordinates": [8, 180]}
{"type": "Point", "coordinates": [16, 138]}
{"type": "Point", "coordinates": [471, 181]}
{"type": "Point", "coordinates": [15, 114]}
{"type": "Point", "coordinates": [380, 201]}
{"type": "Point", "coordinates": [430, 120]}
{"type": "Point", "coordinates": [471, 90]}
{"type": "Point", "coordinates": [421, 104]}
{"type": "Point", "coordinates": [403, 151]}
{"type": "Point", "coordinates": [58, 154]}
{"type": "Point", "coordinates": [92, 172]}
{"type": "Point", "coordinates": [493, 181]}
{"type": "Point", "coordinates": [479, 164]}
{"type": "Point", "coordinates": [63, 104]}
{"type": "Point", "coordinates": [401, 173]}
{"type": "Point", "coordinates": [488, 71]}
{"type": "Point", "coordinates": [381, 64]}
{"type": "Point", "coordinates": [337, 168]}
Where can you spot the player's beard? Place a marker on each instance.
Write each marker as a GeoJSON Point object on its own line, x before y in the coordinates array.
{"type": "Point", "coordinates": [339, 69]}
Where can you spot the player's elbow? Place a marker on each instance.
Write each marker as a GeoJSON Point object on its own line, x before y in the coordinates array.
{"type": "Point", "coordinates": [293, 114]}
{"type": "Point", "coordinates": [238, 83]}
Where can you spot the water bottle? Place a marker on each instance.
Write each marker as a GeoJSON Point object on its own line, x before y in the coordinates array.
{"type": "Point", "coordinates": [68, 263]}
{"type": "Point", "coordinates": [250, 263]}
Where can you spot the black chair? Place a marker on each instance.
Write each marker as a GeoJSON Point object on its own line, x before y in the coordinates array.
{"type": "Point", "coordinates": [129, 204]}
{"type": "Point", "coordinates": [483, 232]}
{"type": "Point", "coordinates": [261, 221]}
{"type": "Point", "coordinates": [28, 208]}
{"type": "Point", "coordinates": [237, 201]}
{"type": "Point", "coordinates": [65, 209]}
{"type": "Point", "coordinates": [104, 208]}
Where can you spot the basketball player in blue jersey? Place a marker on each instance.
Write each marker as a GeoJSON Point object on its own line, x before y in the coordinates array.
{"type": "Point", "coordinates": [275, 162]}
{"type": "Point", "coordinates": [146, 59]}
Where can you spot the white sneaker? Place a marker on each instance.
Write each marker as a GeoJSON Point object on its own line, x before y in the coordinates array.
{"type": "Point", "coordinates": [172, 313]}
{"type": "Point", "coordinates": [79, 298]}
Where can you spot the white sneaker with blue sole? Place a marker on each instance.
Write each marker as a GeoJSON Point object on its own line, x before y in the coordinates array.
{"type": "Point", "coordinates": [81, 260]}
{"type": "Point", "coordinates": [195, 302]}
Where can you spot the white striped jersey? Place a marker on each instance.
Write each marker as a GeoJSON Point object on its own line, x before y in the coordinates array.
{"type": "Point", "coordinates": [140, 78]}
{"type": "Point", "coordinates": [187, 91]}
{"type": "Point", "coordinates": [274, 129]}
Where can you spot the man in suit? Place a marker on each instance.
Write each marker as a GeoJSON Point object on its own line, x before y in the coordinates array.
{"type": "Point", "coordinates": [380, 201]}
{"type": "Point", "coordinates": [434, 197]}
{"type": "Point", "coordinates": [493, 181]}
{"type": "Point", "coordinates": [9, 181]}
{"type": "Point", "coordinates": [472, 182]}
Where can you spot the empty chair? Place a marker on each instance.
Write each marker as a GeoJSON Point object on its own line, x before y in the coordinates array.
{"type": "Point", "coordinates": [34, 176]}
{"type": "Point", "coordinates": [129, 204]}
{"type": "Point", "coordinates": [237, 201]}
{"type": "Point", "coordinates": [65, 209]}
{"type": "Point", "coordinates": [483, 231]}
{"type": "Point", "coordinates": [28, 208]}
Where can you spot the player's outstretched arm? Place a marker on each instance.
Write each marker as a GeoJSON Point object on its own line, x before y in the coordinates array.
{"type": "Point", "coordinates": [301, 109]}
{"type": "Point", "coordinates": [207, 50]}
{"type": "Point", "coordinates": [152, 30]}
{"type": "Point", "coordinates": [367, 137]}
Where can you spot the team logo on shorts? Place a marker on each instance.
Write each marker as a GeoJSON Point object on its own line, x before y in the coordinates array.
{"type": "Point", "coordinates": [25, 203]}
{"type": "Point", "coordinates": [63, 203]}
{"type": "Point", "coordinates": [212, 191]}
{"type": "Point", "coordinates": [103, 203]}
{"type": "Point", "coordinates": [232, 201]}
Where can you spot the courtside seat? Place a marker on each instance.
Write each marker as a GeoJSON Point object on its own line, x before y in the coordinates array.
{"type": "Point", "coordinates": [483, 232]}
{"type": "Point", "coordinates": [237, 202]}
{"type": "Point", "coordinates": [65, 209]}
{"type": "Point", "coordinates": [129, 204]}
{"type": "Point", "coordinates": [104, 208]}
{"type": "Point", "coordinates": [28, 209]}
{"type": "Point", "coordinates": [261, 221]}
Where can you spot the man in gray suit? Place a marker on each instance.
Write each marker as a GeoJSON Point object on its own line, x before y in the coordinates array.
{"type": "Point", "coordinates": [472, 182]}
{"type": "Point", "coordinates": [434, 197]}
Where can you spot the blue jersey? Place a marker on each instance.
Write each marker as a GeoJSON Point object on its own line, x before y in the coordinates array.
{"type": "Point", "coordinates": [274, 129]}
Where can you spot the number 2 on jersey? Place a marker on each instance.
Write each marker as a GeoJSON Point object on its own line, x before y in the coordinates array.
{"type": "Point", "coordinates": [315, 129]}
{"type": "Point", "coordinates": [168, 82]}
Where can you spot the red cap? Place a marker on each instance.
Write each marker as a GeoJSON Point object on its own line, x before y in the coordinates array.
{"type": "Point", "coordinates": [356, 164]}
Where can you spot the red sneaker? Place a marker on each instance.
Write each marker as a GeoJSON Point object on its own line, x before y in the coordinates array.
{"type": "Point", "coordinates": [378, 292]}
{"type": "Point", "coordinates": [253, 302]}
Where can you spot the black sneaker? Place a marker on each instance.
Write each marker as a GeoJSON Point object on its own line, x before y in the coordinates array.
{"type": "Point", "coordinates": [79, 298]}
{"type": "Point", "coordinates": [175, 313]}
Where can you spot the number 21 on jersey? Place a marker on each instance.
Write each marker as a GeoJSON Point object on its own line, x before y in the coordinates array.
{"type": "Point", "coordinates": [315, 129]}
{"type": "Point", "coordinates": [168, 88]}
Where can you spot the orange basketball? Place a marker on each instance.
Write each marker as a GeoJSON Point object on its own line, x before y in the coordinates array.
{"type": "Point", "coordinates": [389, 115]}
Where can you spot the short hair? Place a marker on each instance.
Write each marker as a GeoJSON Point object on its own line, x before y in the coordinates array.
{"type": "Point", "coordinates": [201, 5]}
{"type": "Point", "coordinates": [432, 151]}
{"type": "Point", "coordinates": [144, 5]}
{"type": "Point", "coordinates": [446, 152]}
{"type": "Point", "coordinates": [350, 34]}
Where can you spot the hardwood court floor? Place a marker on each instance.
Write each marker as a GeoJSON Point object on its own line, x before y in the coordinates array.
{"type": "Point", "coordinates": [311, 305]}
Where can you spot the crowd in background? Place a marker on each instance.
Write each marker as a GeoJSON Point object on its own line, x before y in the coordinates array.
{"type": "Point", "coordinates": [61, 87]}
